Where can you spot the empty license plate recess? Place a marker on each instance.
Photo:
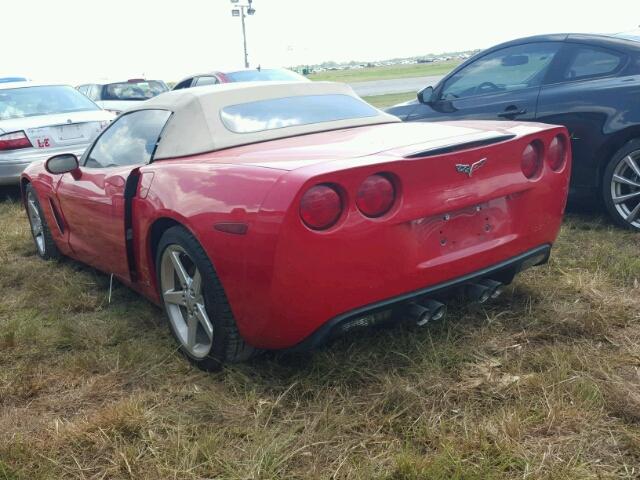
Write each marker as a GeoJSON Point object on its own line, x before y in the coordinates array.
{"type": "Point", "coordinates": [464, 228]}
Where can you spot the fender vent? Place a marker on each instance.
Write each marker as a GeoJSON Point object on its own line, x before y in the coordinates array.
{"type": "Point", "coordinates": [57, 216]}
{"type": "Point", "coordinates": [460, 146]}
{"type": "Point", "coordinates": [129, 192]}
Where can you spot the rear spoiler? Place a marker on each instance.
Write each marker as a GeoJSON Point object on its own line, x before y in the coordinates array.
{"type": "Point", "coordinates": [455, 147]}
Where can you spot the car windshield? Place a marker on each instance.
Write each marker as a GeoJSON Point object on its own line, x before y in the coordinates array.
{"type": "Point", "coordinates": [291, 111]}
{"type": "Point", "coordinates": [45, 100]}
{"type": "Point", "coordinates": [264, 75]}
{"type": "Point", "coordinates": [133, 90]}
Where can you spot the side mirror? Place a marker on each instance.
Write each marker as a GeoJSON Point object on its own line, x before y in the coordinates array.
{"type": "Point", "coordinates": [64, 163]}
{"type": "Point", "coordinates": [425, 95]}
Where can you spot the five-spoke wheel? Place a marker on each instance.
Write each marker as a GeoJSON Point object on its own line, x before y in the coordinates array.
{"type": "Point", "coordinates": [196, 304]}
{"type": "Point", "coordinates": [35, 220]}
{"type": "Point", "coordinates": [45, 245]}
{"type": "Point", "coordinates": [181, 283]}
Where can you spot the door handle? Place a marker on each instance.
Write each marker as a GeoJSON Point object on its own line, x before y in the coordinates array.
{"type": "Point", "coordinates": [512, 112]}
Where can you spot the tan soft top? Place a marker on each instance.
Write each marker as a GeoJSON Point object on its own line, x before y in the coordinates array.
{"type": "Point", "coordinates": [196, 126]}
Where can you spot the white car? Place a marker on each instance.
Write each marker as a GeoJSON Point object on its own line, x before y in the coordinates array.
{"type": "Point", "coordinates": [39, 120]}
{"type": "Point", "coordinates": [120, 96]}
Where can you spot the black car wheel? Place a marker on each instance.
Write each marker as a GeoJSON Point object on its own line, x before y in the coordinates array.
{"type": "Point", "coordinates": [621, 186]}
{"type": "Point", "coordinates": [199, 314]}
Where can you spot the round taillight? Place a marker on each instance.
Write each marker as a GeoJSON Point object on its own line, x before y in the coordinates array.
{"type": "Point", "coordinates": [320, 207]}
{"type": "Point", "coordinates": [375, 196]}
{"type": "Point", "coordinates": [557, 153]}
{"type": "Point", "coordinates": [531, 160]}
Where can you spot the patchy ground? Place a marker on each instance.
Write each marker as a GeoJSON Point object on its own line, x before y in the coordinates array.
{"type": "Point", "coordinates": [542, 383]}
{"type": "Point", "coordinates": [386, 73]}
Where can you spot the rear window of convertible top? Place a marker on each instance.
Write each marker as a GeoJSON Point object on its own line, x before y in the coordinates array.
{"type": "Point", "coordinates": [276, 113]}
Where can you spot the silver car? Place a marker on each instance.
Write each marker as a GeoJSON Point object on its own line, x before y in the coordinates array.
{"type": "Point", "coordinates": [120, 96]}
{"type": "Point", "coordinates": [40, 120]}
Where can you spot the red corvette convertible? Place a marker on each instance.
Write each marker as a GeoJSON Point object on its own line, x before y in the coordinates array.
{"type": "Point", "coordinates": [271, 216]}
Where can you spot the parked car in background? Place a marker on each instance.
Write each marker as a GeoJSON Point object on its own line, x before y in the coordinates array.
{"type": "Point", "coordinates": [5, 78]}
{"type": "Point", "coordinates": [120, 96]}
{"type": "Point", "coordinates": [38, 120]}
{"type": "Point", "coordinates": [244, 75]}
{"type": "Point", "coordinates": [277, 215]}
{"type": "Point", "coordinates": [588, 83]}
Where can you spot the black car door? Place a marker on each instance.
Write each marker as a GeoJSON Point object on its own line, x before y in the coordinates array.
{"type": "Point", "coordinates": [503, 84]}
{"type": "Point", "coordinates": [587, 95]}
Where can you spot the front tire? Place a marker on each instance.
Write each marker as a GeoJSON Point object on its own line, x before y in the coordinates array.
{"type": "Point", "coordinates": [45, 244]}
{"type": "Point", "coordinates": [621, 186]}
{"type": "Point", "coordinates": [195, 303]}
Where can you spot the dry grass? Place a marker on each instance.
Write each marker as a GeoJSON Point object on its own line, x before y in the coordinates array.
{"type": "Point", "coordinates": [544, 383]}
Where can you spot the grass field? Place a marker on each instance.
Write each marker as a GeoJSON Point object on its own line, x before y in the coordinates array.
{"type": "Point", "coordinates": [383, 101]}
{"type": "Point", "coordinates": [386, 73]}
{"type": "Point", "coordinates": [543, 383]}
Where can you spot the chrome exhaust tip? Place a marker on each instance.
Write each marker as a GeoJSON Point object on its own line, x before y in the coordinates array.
{"type": "Point", "coordinates": [496, 287]}
{"type": "Point", "coordinates": [425, 311]}
{"type": "Point", "coordinates": [419, 314]}
{"type": "Point", "coordinates": [478, 292]}
{"type": "Point", "coordinates": [438, 310]}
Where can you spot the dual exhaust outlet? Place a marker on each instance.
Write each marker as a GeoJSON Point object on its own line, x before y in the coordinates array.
{"type": "Point", "coordinates": [424, 311]}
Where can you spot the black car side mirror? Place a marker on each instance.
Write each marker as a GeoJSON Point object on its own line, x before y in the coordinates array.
{"type": "Point", "coordinates": [64, 163]}
{"type": "Point", "coordinates": [425, 95]}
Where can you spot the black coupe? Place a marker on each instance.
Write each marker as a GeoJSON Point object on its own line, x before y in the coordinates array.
{"type": "Point", "coordinates": [588, 83]}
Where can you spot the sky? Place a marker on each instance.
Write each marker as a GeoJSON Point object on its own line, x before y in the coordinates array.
{"type": "Point", "coordinates": [78, 41]}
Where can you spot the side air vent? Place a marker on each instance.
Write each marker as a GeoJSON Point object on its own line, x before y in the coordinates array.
{"type": "Point", "coordinates": [57, 216]}
{"type": "Point", "coordinates": [431, 152]}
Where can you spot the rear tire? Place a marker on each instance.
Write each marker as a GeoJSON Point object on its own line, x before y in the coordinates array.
{"type": "Point", "coordinates": [199, 313]}
{"type": "Point", "coordinates": [45, 244]}
{"type": "Point", "coordinates": [621, 186]}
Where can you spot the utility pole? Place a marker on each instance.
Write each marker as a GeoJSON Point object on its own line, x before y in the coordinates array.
{"type": "Point", "coordinates": [239, 10]}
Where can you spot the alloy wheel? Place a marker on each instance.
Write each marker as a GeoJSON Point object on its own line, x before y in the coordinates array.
{"type": "Point", "coordinates": [182, 292]}
{"type": "Point", "coordinates": [625, 188]}
{"type": "Point", "coordinates": [35, 220]}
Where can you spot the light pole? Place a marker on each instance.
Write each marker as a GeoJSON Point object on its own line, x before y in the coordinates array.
{"type": "Point", "coordinates": [239, 10]}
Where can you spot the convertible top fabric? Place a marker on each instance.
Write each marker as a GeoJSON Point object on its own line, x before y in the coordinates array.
{"type": "Point", "coordinates": [196, 126]}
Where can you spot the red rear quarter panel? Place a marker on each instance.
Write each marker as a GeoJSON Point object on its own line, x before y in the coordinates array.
{"type": "Point", "coordinates": [198, 196]}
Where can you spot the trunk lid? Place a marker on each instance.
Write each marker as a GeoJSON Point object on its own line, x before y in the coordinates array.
{"type": "Point", "coordinates": [61, 129]}
{"type": "Point", "coordinates": [398, 139]}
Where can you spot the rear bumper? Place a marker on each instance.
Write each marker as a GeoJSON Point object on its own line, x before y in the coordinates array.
{"type": "Point", "coordinates": [316, 278]}
{"type": "Point", "coordinates": [10, 172]}
{"type": "Point", "coordinates": [504, 271]}
{"type": "Point", "coordinates": [13, 164]}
